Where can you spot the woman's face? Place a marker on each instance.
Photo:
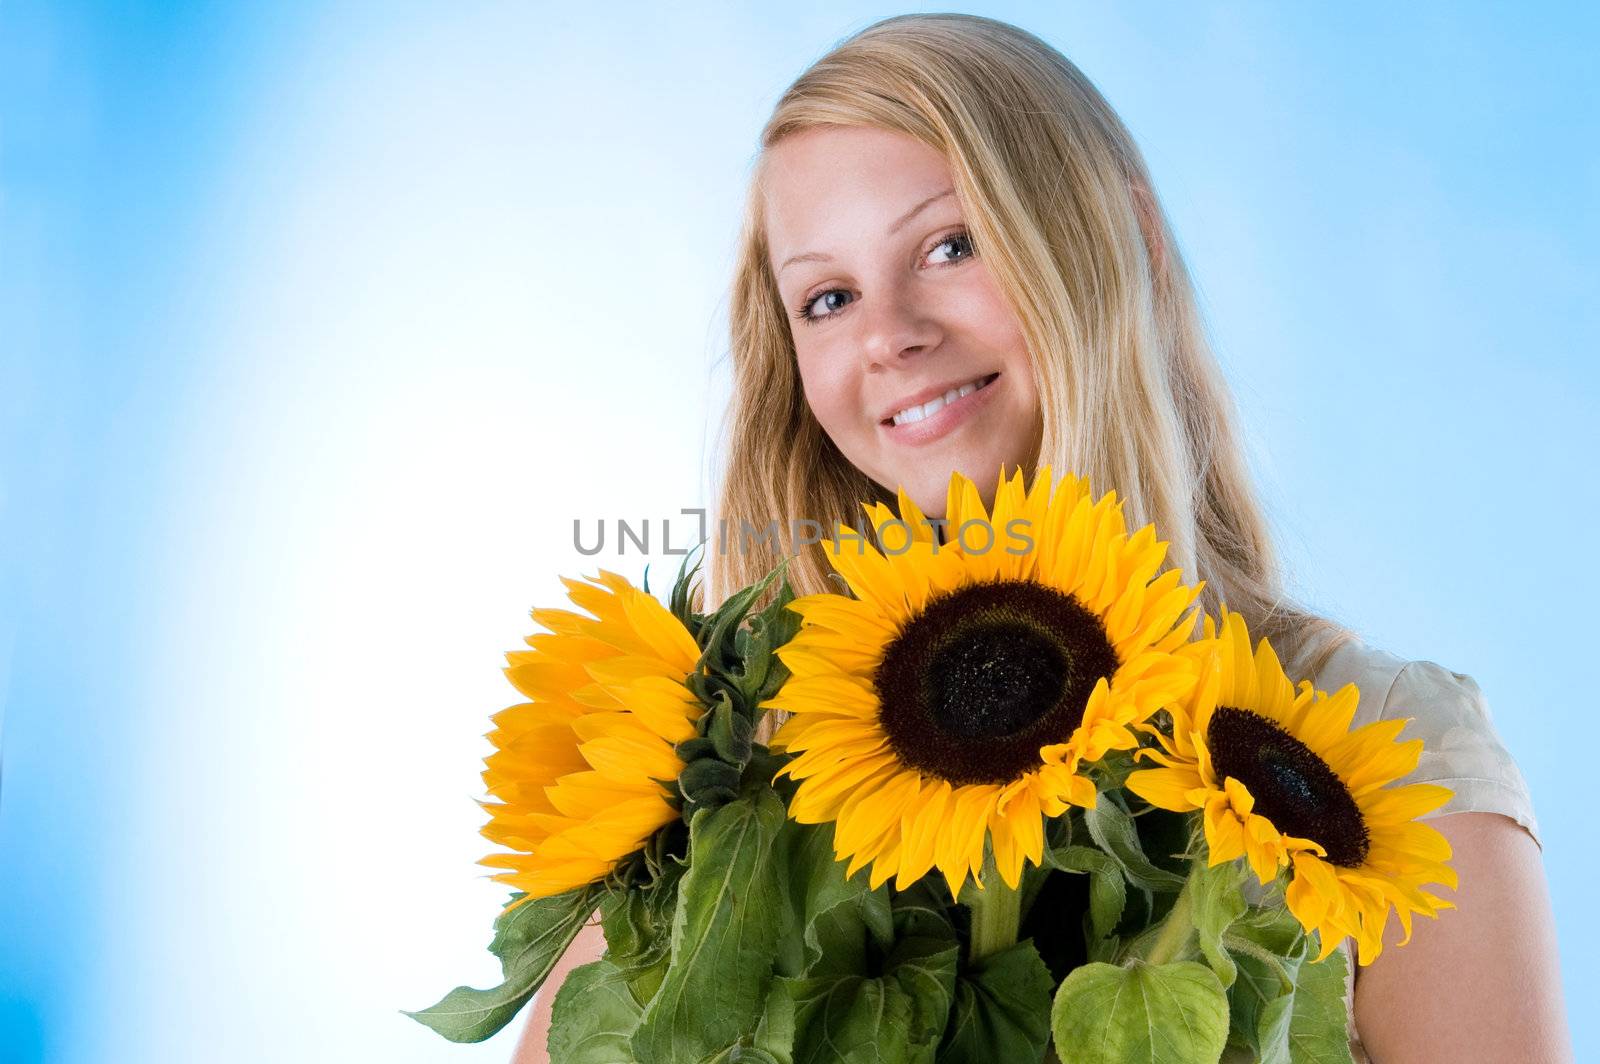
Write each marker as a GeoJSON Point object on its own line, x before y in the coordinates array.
{"type": "Point", "coordinates": [910, 358]}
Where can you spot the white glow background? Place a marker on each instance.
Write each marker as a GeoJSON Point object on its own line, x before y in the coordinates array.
{"type": "Point", "coordinates": [319, 328]}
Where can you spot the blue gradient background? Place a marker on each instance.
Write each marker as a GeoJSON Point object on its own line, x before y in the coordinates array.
{"type": "Point", "coordinates": [320, 324]}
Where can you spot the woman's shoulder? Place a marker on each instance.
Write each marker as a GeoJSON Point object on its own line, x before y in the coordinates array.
{"type": "Point", "coordinates": [1448, 711]}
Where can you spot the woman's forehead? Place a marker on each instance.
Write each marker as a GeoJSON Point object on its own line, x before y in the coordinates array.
{"type": "Point", "coordinates": [865, 155]}
{"type": "Point", "coordinates": [834, 182]}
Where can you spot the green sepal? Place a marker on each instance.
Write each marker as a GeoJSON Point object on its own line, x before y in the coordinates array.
{"type": "Point", "coordinates": [638, 929]}
{"type": "Point", "coordinates": [1112, 770]}
{"type": "Point", "coordinates": [680, 601]}
{"type": "Point", "coordinates": [695, 748]}
{"type": "Point", "coordinates": [763, 672]}
{"type": "Point", "coordinates": [717, 636]}
{"type": "Point", "coordinates": [736, 670]}
{"type": "Point", "coordinates": [707, 784]}
{"type": "Point", "coordinates": [730, 734]}
{"type": "Point", "coordinates": [528, 939]}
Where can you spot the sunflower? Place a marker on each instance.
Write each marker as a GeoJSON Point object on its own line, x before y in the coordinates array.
{"type": "Point", "coordinates": [1281, 780]}
{"type": "Point", "coordinates": [584, 773]}
{"type": "Point", "coordinates": [961, 691]}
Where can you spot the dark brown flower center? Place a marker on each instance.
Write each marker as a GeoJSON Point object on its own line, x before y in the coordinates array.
{"type": "Point", "coordinates": [973, 686]}
{"type": "Point", "coordinates": [1291, 785]}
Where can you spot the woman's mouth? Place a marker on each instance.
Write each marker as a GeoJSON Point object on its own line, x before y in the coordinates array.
{"type": "Point", "coordinates": [928, 420]}
{"type": "Point", "coordinates": [926, 410]}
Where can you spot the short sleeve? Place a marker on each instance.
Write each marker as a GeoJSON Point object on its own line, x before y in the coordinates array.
{"type": "Point", "coordinates": [1461, 748]}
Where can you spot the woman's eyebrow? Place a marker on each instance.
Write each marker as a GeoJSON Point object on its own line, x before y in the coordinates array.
{"type": "Point", "coordinates": [913, 212]}
{"type": "Point", "coordinates": [900, 223]}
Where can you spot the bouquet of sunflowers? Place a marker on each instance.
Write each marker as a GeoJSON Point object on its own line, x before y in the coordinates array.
{"type": "Point", "coordinates": [1018, 806]}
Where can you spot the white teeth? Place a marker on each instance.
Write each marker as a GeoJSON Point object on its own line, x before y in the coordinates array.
{"type": "Point", "coordinates": [932, 406]}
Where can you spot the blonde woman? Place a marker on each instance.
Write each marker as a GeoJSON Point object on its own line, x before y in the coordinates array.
{"type": "Point", "coordinates": [953, 259]}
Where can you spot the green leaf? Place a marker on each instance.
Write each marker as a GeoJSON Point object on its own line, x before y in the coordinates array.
{"type": "Point", "coordinates": [1268, 949]}
{"type": "Point", "coordinates": [839, 919]}
{"type": "Point", "coordinates": [1218, 899]}
{"type": "Point", "coordinates": [1141, 1014]}
{"type": "Point", "coordinates": [775, 1033]}
{"type": "Point", "coordinates": [923, 964]}
{"type": "Point", "coordinates": [1319, 1031]}
{"type": "Point", "coordinates": [750, 1055]}
{"type": "Point", "coordinates": [468, 1015]}
{"type": "Point", "coordinates": [1259, 1003]}
{"type": "Point", "coordinates": [1108, 892]}
{"type": "Point", "coordinates": [1288, 1011]}
{"type": "Point", "coordinates": [851, 1020]}
{"type": "Point", "coordinates": [879, 981]}
{"type": "Point", "coordinates": [1270, 925]}
{"type": "Point", "coordinates": [529, 940]}
{"type": "Point", "coordinates": [896, 1018]}
{"type": "Point", "coordinates": [1001, 1011]}
{"type": "Point", "coordinates": [1272, 1031]}
{"type": "Point", "coordinates": [724, 935]}
{"type": "Point", "coordinates": [1113, 831]}
{"type": "Point", "coordinates": [593, 1017]}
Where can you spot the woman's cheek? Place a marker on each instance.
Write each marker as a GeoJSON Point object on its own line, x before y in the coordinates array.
{"type": "Point", "coordinates": [830, 390]}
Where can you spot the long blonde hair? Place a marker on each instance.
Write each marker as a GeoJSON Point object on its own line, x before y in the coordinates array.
{"type": "Point", "coordinates": [1058, 201]}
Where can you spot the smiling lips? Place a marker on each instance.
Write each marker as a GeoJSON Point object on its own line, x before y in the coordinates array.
{"type": "Point", "coordinates": [914, 412]}
{"type": "Point", "coordinates": [932, 415]}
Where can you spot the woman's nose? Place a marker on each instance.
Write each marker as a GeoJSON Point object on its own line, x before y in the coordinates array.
{"type": "Point", "coordinates": [894, 328]}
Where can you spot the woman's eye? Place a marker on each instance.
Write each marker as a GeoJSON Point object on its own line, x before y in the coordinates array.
{"type": "Point", "coordinates": [960, 242]}
{"type": "Point", "coordinates": [956, 248]}
{"type": "Point", "coordinates": [831, 301]}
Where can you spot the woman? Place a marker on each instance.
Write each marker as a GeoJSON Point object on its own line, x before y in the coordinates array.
{"type": "Point", "coordinates": [953, 259]}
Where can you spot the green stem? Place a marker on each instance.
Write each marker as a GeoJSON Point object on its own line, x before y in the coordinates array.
{"type": "Point", "coordinates": [996, 913]}
{"type": "Point", "coordinates": [1176, 928]}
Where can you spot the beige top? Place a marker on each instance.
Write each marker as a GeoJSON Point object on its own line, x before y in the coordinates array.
{"type": "Point", "coordinates": [1461, 749]}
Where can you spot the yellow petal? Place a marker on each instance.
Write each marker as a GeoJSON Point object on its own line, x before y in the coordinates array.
{"type": "Point", "coordinates": [1165, 788]}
